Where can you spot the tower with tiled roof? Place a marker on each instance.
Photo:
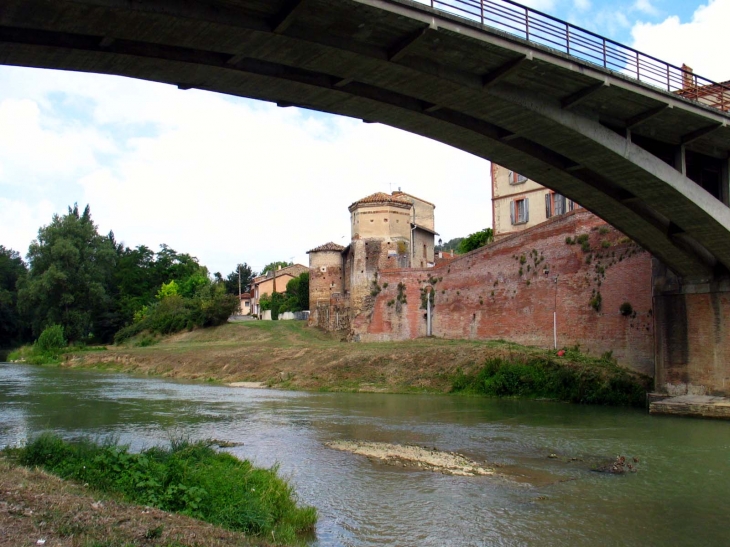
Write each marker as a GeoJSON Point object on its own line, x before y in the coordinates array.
{"type": "Point", "coordinates": [326, 277]}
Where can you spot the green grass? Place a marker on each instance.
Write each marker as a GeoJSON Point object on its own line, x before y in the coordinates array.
{"type": "Point", "coordinates": [187, 477]}
{"type": "Point", "coordinates": [585, 380]}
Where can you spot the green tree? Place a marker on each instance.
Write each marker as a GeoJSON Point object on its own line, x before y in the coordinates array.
{"type": "Point", "coordinates": [296, 297]}
{"type": "Point", "coordinates": [70, 272]}
{"type": "Point", "coordinates": [12, 269]}
{"type": "Point", "coordinates": [449, 245]}
{"type": "Point", "coordinates": [247, 275]}
{"type": "Point", "coordinates": [275, 266]}
{"type": "Point", "coordinates": [476, 240]}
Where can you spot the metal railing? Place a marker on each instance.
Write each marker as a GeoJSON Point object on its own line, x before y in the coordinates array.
{"type": "Point", "coordinates": [540, 28]}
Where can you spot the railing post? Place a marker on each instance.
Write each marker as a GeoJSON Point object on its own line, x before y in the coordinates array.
{"type": "Point", "coordinates": [669, 81]}
{"type": "Point", "coordinates": [481, 8]}
{"type": "Point", "coordinates": [527, 24]}
{"type": "Point", "coordinates": [567, 38]}
{"type": "Point", "coordinates": [605, 57]}
{"type": "Point", "coordinates": [638, 73]}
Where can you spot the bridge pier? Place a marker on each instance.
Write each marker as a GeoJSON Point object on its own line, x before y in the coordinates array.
{"type": "Point", "coordinates": [692, 334]}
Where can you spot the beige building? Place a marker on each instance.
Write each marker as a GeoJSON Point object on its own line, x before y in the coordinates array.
{"type": "Point", "coordinates": [519, 203]}
{"type": "Point", "coordinates": [273, 281]}
{"type": "Point", "coordinates": [244, 307]}
{"type": "Point", "coordinates": [387, 231]}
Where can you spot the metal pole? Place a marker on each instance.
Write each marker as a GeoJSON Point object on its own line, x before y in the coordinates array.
{"type": "Point", "coordinates": [240, 302]}
{"type": "Point", "coordinates": [428, 313]}
{"type": "Point", "coordinates": [555, 315]}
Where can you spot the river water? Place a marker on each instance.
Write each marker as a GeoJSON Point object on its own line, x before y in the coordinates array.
{"type": "Point", "coordinates": [679, 496]}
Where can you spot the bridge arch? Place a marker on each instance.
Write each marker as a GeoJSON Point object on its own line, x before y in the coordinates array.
{"type": "Point", "coordinates": [618, 146]}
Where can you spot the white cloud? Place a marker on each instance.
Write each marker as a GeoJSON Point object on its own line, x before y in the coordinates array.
{"type": "Point", "coordinates": [582, 5]}
{"type": "Point", "coordinates": [645, 6]}
{"type": "Point", "coordinates": [701, 43]}
{"type": "Point", "coordinates": [224, 179]}
{"type": "Point", "coordinates": [19, 222]}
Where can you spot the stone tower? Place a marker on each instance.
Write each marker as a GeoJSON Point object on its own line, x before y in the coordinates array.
{"type": "Point", "coordinates": [325, 276]}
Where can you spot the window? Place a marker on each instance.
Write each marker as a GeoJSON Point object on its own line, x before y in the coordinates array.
{"type": "Point", "coordinates": [555, 204]}
{"type": "Point", "coordinates": [516, 178]}
{"type": "Point", "coordinates": [520, 211]}
{"type": "Point", "coordinates": [424, 250]}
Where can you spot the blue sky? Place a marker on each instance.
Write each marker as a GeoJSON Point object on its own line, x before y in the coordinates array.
{"type": "Point", "coordinates": [231, 180]}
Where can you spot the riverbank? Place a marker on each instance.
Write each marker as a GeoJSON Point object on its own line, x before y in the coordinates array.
{"type": "Point", "coordinates": [289, 355]}
{"type": "Point", "coordinates": [37, 508]}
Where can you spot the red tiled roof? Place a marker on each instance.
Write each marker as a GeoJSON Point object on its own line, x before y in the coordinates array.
{"type": "Point", "coordinates": [331, 246]}
{"type": "Point", "coordinates": [381, 197]}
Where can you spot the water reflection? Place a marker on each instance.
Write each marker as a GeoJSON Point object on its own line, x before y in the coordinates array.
{"type": "Point", "coordinates": [677, 498]}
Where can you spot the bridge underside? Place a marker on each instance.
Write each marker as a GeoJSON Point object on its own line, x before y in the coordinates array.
{"type": "Point", "coordinates": [652, 164]}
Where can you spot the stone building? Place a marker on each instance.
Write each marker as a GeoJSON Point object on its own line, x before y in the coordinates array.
{"type": "Point", "coordinates": [387, 231]}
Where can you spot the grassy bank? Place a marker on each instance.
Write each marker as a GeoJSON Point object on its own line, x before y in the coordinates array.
{"type": "Point", "coordinates": [187, 478]}
{"type": "Point", "coordinates": [36, 505]}
{"type": "Point", "coordinates": [288, 355]}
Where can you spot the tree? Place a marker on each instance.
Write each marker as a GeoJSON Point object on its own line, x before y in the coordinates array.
{"type": "Point", "coordinates": [297, 294]}
{"type": "Point", "coordinates": [449, 245]}
{"type": "Point", "coordinates": [275, 266]}
{"type": "Point", "coordinates": [71, 270]}
{"type": "Point", "coordinates": [247, 275]}
{"type": "Point", "coordinates": [12, 268]}
{"type": "Point", "coordinates": [476, 240]}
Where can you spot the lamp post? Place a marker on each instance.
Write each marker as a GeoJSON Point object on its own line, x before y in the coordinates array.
{"type": "Point", "coordinates": [555, 308]}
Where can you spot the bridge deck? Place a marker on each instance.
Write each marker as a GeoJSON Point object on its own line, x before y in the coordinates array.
{"type": "Point", "coordinates": [541, 112]}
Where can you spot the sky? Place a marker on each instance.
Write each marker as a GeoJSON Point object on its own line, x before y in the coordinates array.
{"type": "Point", "coordinates": [231, 180]}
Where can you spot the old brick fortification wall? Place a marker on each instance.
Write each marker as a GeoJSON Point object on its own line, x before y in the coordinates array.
{"type": "Point", "coordinates": [325, 280]}
{"type": "Point", "coordinates": [693, 336]}
{"type": "Point", "coordinates": [502, 291]}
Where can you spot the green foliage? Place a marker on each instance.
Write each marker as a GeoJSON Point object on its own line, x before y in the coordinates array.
{"type": "Point", "coordinates": [265, 302]}
{"type": "Point", "coordinates": [476, 240]}
{"type": "Point", "coordinates": [70, 276]}
{"type": "Point", "coordinates": [247, 275]}
{"type": "Point", "coordinates": [168, 290]}
{"type": "Point", "coordinates": [596, 301]}
{"type": "Point", "coordinates": [296, 297]}
{"type": "Point", "coordinates": [449, 245]}
{"type": "Point", "coordinates": [275, 266]}
{"type": "Point", "coordinates": [569, 241]}
{"type": "Point", "coordinates": [626, 309]}
{"type": "Point", "coordinates": [13, 329]}
{"type": "Point", "coordinates": [209, 307]}
{"type": "Point", "coordinates": [595, 382]}
{"type": "Point", "coordinates": [51, 339]}
{"type": "Point", "coordinates": [188, 477]}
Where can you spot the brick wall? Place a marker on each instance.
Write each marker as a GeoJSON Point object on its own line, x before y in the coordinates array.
{"type": "Point", "coordinates": [325, 279]}
{"type": "Point", "coordinates": [507, 290]}
{"type": "Point", "coordinates": [693, 336]}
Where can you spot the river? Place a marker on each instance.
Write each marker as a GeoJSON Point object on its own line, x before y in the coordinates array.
{"type": "Point", "coordinates": [679, 496]}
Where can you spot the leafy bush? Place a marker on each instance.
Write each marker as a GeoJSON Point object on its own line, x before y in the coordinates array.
{"type": "Point", "coordinates": [598, 382]}
{"type": "Point", "coordinates": [187, 477]}
{"type": "Point", "coordinates": [51, 340]}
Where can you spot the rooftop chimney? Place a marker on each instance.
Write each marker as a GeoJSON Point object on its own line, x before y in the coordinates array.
{"type": "Point", "coordinates": [688, 79]}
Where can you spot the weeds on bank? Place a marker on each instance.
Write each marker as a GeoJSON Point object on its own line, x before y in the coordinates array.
{"type": "Point", "coordinates": [583, 380]}
{"type": "Point", "coordinates": [187, 477]}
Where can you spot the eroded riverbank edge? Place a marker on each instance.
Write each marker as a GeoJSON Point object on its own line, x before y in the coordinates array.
{"type": "Point", "coordinates": [289, 355]}
{"type": "Point", "coordinates": [36, 506]}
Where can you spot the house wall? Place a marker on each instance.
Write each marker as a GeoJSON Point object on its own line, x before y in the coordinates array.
{"type": "Point", "coordinates": [381, 221]}
{"type": "Point", "coordinates": [483, 295]}
{"type": "Point", "coordinates": [422, 238]}
{"type": "Point", "coordinates": [423, 211]}
{"type": "Point", "coordinates": [503, 193]}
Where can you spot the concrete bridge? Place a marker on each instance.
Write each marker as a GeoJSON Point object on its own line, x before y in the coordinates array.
{"type": "Point", "coordinates": [640, 143]}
